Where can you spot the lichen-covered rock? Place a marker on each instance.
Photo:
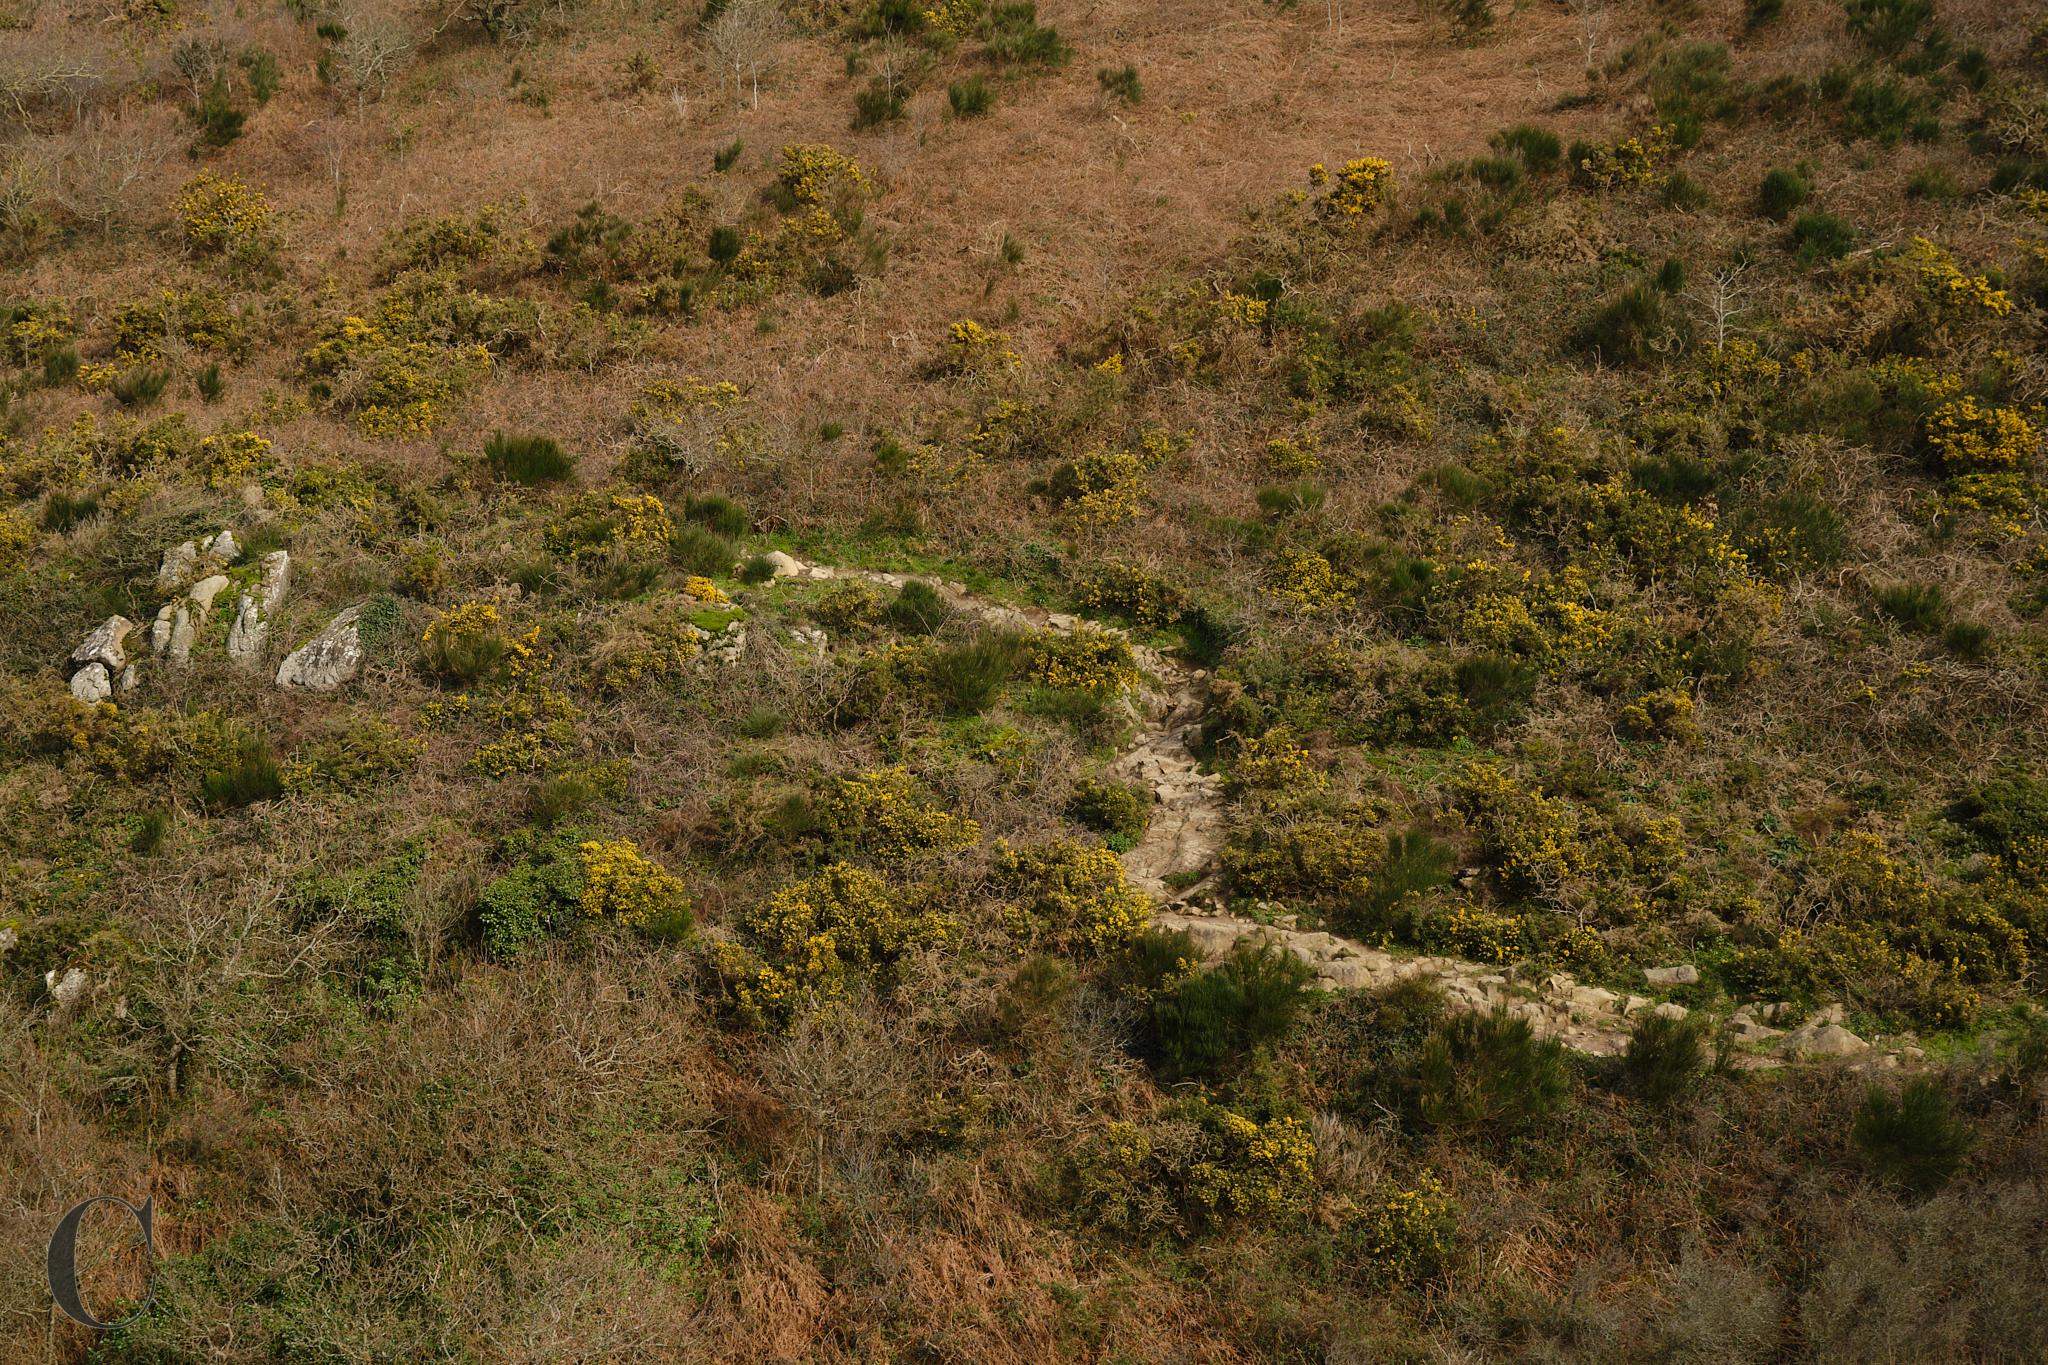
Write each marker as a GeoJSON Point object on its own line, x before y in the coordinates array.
{"type": "Point", "coordinates": [92, 684]}
{"type": "Point", "coordinates": [251, 629]}
{"type": "Point", "coordinates": [329, 659]}
{"type": "Point", "coordinates": [107, 644]}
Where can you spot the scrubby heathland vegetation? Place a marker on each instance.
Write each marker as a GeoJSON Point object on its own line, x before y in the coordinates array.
{"type": "Point", "coordinates": [831, 681]}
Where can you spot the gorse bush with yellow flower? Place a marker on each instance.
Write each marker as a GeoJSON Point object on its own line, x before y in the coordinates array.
{"type": "Point", "coordinates": [884, 814]}
{"type": "Point", "coordinates": [621, 885]}
{"type": "Point", "coordinates": [1069, 896]}
{"type": "Point", "coordinates": [806, 941]}
{"type": "Point", "coordinates": [221, 215]}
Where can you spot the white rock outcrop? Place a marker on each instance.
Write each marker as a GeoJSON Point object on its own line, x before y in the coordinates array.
{"type": "Point", "coordinates": [250, 631]}
{"type": "Point", "coordinates": [329, 659]}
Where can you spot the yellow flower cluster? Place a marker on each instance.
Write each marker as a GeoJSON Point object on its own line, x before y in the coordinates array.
{"type": "Point", "coordinates": [622, 884]}
{"type": "Point", "coordinates": [1104, 487]}
{"type": "Point", "coordinates": [471, 618]}
{"type": "Point", "coordinates": [812, 932]}
{"type": "Point", "coordinates": [1663, 714]}
{"type": "Point", "coordinates": [1085, 659]}
{"type": "Point", "coordinates": [1968, 437]}
{"type": "Point", "coordinates": [1291, 459]}
{"type": "Point", "coordinates": [1358, 188]}
{"type": "Point", "coordinates": [881, 813]}
{"type": "Point", "coordinates": [1311, 583]}
{"type": "Point", "coordinates": [972, 347]}
{"type": "Point", "coordinates": [1533, 839]}
{"type": "Point", "coordinates": [37, 328]}
{"type": "Point", "coordinates": [701, 589]}
{"type": "Point", "coordinates": [1948, 283]}
{"type": "Point", "coordinates": [231, 458]}
{"type": "Point", "coordinates": [1275, 762]}
{"type": "Point", "coordinates": [1631, 161]}
{"type": "Point", "coordinates": [1264, 1170]}
{"type": "Point", "coordinates": [812, 172]}
{"type": "Point", "coordinates": [1474, 932]}
{"type": "Point", "coordinates": [17, 538]}
{"type": "Point", "coordinates": [221, 214]}
{"type": "Point", "coordinates": [1075, 895]}
{"type": "Point", "coordinates": [669, 397]}
{"type": "Point", "coordinates": [1411, 1232]}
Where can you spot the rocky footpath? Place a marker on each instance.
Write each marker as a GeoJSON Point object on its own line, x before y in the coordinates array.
{"type": "Point", "coordinates": [1174, 861]}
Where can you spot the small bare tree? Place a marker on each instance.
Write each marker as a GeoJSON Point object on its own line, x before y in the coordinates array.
{"type": "Point", "coordinates": [1720, 296]}
{"type": "Point", "coordinates": [107, 159]}
{"type": "Point", "coordinates": [377, 48]}
{"type": "Point", "coordinates": [742, 42]}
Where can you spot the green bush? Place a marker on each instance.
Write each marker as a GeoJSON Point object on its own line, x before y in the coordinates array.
{"type": "Point", "coordinates": [702, 551]}
{"type": "Point", "coordinates": [1212, 1018]}
{"type": "Point", "coordinates": [1415, 864]}
{"type": "Point", "coordinates": [527, 460]}
{"type": "Point", "coordinates": [215, 114]}
{"type": "Point", "coordinates": [209, 384]}
{"type": "Point", "coordinates": [966, 679]}
{"type": "Point", "coordinates": [1882, 110]}
{"type": "Point", "coordinates": [1822, 237]}
{"type": "Point", "coordinates": [1681, 191]}
{"type": "Point", "coordinates": [140, 387]}
{"type": "Point", "coordinates": [1781, 192]}
{"type": "Point", "coordinates": [725, 157]}
{"type": "Point", "coordinates": [1634, 328]}
{"type": "Point", "coordinates": [259, 68]}
{"type": "Point", "coordinates": [1015, 37]}
{"type": "Point", "coordinates": [1111, 808]}
{"type": "Point", "coordinates": [917, 609]}
{"type": "Point", "coordinates": [1931, 182]}
{"type": "Point", "coordinates": [60, 365]}
{"type": "Point", "coordinates": [536, 899]}
{"type": "Point", "coordinates": [1489, 1071]}
{"type": "Point", "coordinates": [881, 102]}
{"type": "Point", "coordinates": [62, 511]}
{"type": "Point", "coordinates": [1664, 1057]}
{"type": "Point", "coordinates": [724, 244]}
{"type": "Point", "coordinates": [970, 98]}
{"type": "Point", "coordinates": [1918, 607]}
{"type": "Point", "coordinates": [1537, 146]}
{"type": "Point", "coordinates": [1969, 641]}
{"type": "Point", "coordinates": [719, 513]}
{"type": "Point", "coordinates": [249, 776]}
{"type": "Point", "coordinates": [1121, 83]}
{"type": "Point", "coordinates": [1913, 1138]}
{"type": "Point", "coordinates": [1887, 26]}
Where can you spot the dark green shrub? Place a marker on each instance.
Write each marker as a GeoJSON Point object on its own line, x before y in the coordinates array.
{"type": "Point", "coordinates": [758, 569]}
{"type": "Point", "coordinates": [723, 159]}
{"type": "Point", "coordinates": [138, 388]}
{"type": "Point", "coordinates": [1212, 1018]}
{"type": "Point", "coordinates": [1931, 182]}
{"type": "Point", "coordinates": [1757, 13]}
{"type": "Point", "coordinates": [1489, 1071]}
{"type": "Point", "coordinates": [1913, 1138]}
{"type": "Point", "coordinates": [1415, 864]}
{"type": "Point", "coordinates": [463, 658]}
{"type": "Point", "coordinates": [1822, 237]}
{"type": "Point", "coordinates": [1967, 640]}
{"type": "Point", "coordinates": [1918, 607]}
{"type": "Point", "coordinates": [1151, 962]}
{"type": "Point", "coordinates": [1886, 26]}
{"type": "Point", "coordinates": [717, 512]}
{"type": "Point", "coordinates": [1880, 109]}
{"type": "Point", "coordinates": [1288, 499]}
{"type": "Point", "coordinates": [1537, 146]}
{"type": "Point", "coordinates": [1121, 83]}
{"type": "Point", "coordinates": [1114, 809]}
{"type": "Point", "coordinates": [700, 550]}
{"type": "Point", "coordinates": [1973, 64]}
{"type": "Point", "coordinates": [62, 511]}
{"type": "Point", "coordinates": [881, 102]}
{"type": "Point", "coordinates": [60, 365]}
{"type": "Point", "coordinates": [970, 98]}
{"type": "Point", "coordinates": [151, 827]}
{"type": "Point", "coordinates": [1470, 20]}
{"type": "Point", "coordinates": [536, 899]}
{"type": "Point", "coordinates": [966, 679]}
{"type": "Point", "coordinates": [1681, 191]}
{"type": "Point", "coordinates": [219, 121]}
{"type": "Point", "coordinates": [724, 245]}
{"type": "Point", "coordinates": [527, 460]}
{"type": "Point", "coordinates": [1633, 328]}
{"type": "Point", "coordinates": [1671, 275]}
{"type": "Point", "coordinates": [364, 912]}
{"type": "Point", "coordinates": [1664, 1057]}
{"type": "Point", "coordinates": [917, 609]}
{"type": "Point", "coordinates": [763, 722]}
{"type": "Point", "coordinates": [251, 775]}
{"type": "Point", "coordinates": [209, 384]}
{"type": "Point", "coordinates": [1781, 192]}
{"type": "Point", "coordinates": [1015, 37]}
{"type": "Point", "coordinates": [893, 16]}
{"type": "Point", "coordinates": [259, 68]}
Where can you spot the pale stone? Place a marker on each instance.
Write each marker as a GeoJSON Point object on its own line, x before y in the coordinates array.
{"type": "Point", "coordinates": [224, 547]}
{"type": "Point", "coordinates": [1821, 1040]}
{"type": "Point", "coordinates": [1670, 1010]}
{"type": "Point", "coordinates": [251, 629]}
{"type": "Point", "coordinates": [1683, 975]}
{"type": "Point", "coordinates": [202, 593]}
{"type": "Point", "coordinates": [178, 564]}
{"type": "Point", "coordinates": [107, 644]}
{"type": "Point", "coordinates": [67, 990]}
{"type": "Point", "coordinates": [92, 684]}
{"type": "Point", "coordinates": [329, 659]}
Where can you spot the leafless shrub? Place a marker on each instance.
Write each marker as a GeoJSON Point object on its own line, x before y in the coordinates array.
{"type": "Point", "coordinates": [741, 41]}
{"type": "Point", "coordinates": [103, 165]}
{"type": "Point", "coordinates": [376, 49]}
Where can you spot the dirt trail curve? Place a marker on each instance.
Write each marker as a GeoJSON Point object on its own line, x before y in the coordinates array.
{"type": "Point", "coordinates": [1174, 861]}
